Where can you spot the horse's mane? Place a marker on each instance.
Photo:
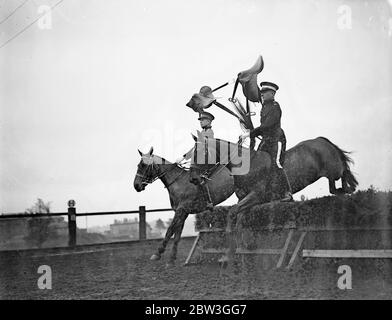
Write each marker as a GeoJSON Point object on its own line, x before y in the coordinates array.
{"type": "Point", "coordinates": [235, 151]}
{"type": "Point", "coordinates": [167, 162]}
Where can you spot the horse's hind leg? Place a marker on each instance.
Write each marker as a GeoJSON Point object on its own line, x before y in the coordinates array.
{"type": "Point", "coordinates": [238, 209]}
{"type": "Point", "coordinates": [332, 187]}
{"type": "Point", "coordinates": [345, 187]}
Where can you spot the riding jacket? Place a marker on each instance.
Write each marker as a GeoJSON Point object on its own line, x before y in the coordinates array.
{"type": "Point", "coordinates": [270, 115]}
{"type": "Point", "coordinates": [207, 132]}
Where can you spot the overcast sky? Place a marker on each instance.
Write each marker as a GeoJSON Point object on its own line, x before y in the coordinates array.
{"type": "Point", "coordinates": [108, 77]}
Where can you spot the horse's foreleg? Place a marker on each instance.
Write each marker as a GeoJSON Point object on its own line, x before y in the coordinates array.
{"type": "Point", "coordinates": [170, 231]}
{"type": "Point", "coordinates": [345, 186]}
{"type": "Point", "coordinates": [251, 200]}
{"type": "Point", "coordinates": [246, 203]}
{"type": "Point", "coordinates": [179, 226]}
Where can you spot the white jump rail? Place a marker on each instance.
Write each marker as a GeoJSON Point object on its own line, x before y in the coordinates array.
{"type": "Point", "coordinates": [306, 253]}
{"type": "Point", "coordinates": [360, 253]}
{"type": "Point", "coordinates": [280, 252]}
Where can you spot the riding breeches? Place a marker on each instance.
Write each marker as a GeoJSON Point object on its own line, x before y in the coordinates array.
{"type": "Point", "coordinates": [275, 148]}
{"type": "Point", "coordinates": [206, 193]}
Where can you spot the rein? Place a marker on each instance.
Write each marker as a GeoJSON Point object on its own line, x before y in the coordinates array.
{"type": "Point", "coordinates": [147, 181]}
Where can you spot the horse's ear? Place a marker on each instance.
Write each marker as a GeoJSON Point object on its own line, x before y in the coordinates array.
{"type": "Point", "coordinates": [194, 137]}
{"type": "Point", "coordinates": [198, 133]}
{"type": "Point", "coordinates": [151, 151]}
{"type": "Point", "coordinates": [141, 153]}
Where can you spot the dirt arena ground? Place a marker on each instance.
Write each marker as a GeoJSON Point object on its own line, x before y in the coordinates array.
{"type": "Point", "coordinates": [124, 271]}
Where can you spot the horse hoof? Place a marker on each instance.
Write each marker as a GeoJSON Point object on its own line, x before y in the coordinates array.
{"type": "Point", "coordinates": [155, 257]}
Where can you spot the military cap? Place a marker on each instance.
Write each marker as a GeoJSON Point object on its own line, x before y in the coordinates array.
{"type": "Point", "coordinates": [206, 115]}
{"type": "Point", "coordinates": [268, 86]}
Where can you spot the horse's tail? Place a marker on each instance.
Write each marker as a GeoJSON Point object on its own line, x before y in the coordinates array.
{"type": "Point", "coordinates": [348, 177]}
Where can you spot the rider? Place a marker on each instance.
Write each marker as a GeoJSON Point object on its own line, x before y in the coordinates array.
{"type": "Point", "coordinates": [205, 119]}
{"type": "Point", "coordinates": [273, 141]}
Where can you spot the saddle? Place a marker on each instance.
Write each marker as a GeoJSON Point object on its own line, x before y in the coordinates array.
{"type": "Point", "coordinates": [248, 80]}
{"type": "Point", "coordinates": [199, 102]}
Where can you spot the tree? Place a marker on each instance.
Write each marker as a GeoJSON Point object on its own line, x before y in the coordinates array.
{"type": "Point", "coordinates": [38, 227]}
{"type": "Point", "coordinates": [169, 222]}
{"type": "Point", "coordinates": [39, 207]}
{"type": "Point", "coordinates": [160, 225]}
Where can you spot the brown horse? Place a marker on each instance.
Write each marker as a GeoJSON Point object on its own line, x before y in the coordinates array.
{"type": "Point", "coordinates": [304, 164]}
{"type": "Point", "coordinates": [185, 197]}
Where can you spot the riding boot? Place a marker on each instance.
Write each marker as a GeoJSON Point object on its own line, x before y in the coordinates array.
{"type": "Point", "coordinates": [252, 144]}
{"type": "Point", "coordinates": [207, 197]}
{"type": "Point", "coordinates": [286, 183]}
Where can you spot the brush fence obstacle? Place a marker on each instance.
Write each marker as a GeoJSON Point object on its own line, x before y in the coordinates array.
{"type": "Point", "coordinates": [358, 226]}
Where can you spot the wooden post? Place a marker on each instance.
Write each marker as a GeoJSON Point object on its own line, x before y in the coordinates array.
{"type": "Point", "coordinates": [284, 250]}
{"type": "Point", "coordinates": [192, 250]}
{"type": "Point", "coordinates": [296, 250]}
{"type": "Point", "coordinates": [142, 223]}
{"type": "Point", "coordinates": [71, 223]}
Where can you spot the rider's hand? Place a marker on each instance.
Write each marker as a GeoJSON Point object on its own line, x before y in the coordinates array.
{"type": "Point", "coordinates": [245, 135]}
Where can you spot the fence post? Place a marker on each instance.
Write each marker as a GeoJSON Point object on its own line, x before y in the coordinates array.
{"type": "Point", "coordinates": [142, 223]}
{"type": "Point", "coordinates": [71, 223]}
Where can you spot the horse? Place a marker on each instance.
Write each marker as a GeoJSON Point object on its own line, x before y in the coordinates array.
{"type": "Point", "coordinates": [185, 197]}
{"type": "Point", "coordinates": [304, 164]}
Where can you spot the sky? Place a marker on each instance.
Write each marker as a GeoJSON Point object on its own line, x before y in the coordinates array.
{"type": "Point", "coordinates": [80, 95]}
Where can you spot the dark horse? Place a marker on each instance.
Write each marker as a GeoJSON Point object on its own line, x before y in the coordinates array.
{"type": "Point", "coordinates": [185, 197]}
{"type": "Point", "coordinates": [304, 164]}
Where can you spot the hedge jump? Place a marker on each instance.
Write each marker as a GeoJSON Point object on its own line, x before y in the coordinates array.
{"type": "Point", "coordinates": [356, 226]}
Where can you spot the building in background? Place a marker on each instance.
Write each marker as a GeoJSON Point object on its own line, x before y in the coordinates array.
{"type": "Point", "coordinates": [128, 229]}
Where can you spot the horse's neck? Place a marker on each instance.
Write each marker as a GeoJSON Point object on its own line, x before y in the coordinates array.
{"type": "Point", "coordinates": [169, 173]}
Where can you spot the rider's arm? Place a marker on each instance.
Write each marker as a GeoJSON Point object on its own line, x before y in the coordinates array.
{"type": "Point", "coordinates": [272, 119]}
{"type": "Point", "coordinates": [189, 154]}
{"type": "Point", "coordinates": [206, 133]}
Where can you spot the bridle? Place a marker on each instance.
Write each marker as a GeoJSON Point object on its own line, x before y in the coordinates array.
{"type": "Point", "coordinates": [152, 170]}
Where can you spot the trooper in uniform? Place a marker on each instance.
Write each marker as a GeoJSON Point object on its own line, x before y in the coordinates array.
{"type": "Point", "coordinates": [273, 138]}
{"type": "Point", "coordinates": [205, 119]}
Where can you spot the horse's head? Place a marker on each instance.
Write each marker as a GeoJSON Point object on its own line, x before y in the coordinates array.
{"type": "Point", "coordinates": [147, 171]}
